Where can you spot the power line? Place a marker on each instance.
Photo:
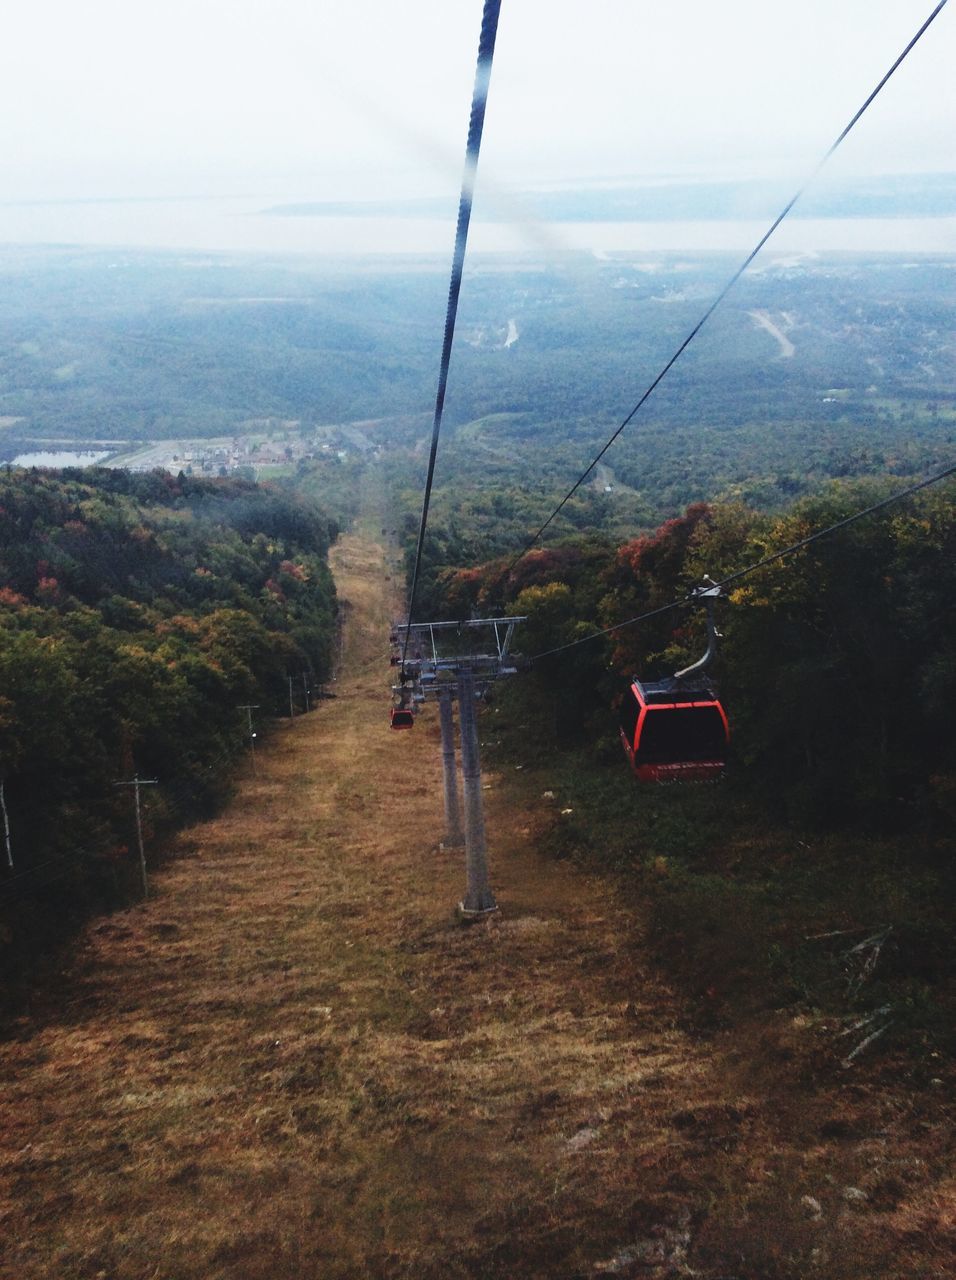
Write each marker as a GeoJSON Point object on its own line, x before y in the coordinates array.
{"type": "Point", "coordinates": [486, 50]}
{"type": "Point", "coordinates": [72, 855]}
{"type": "Point", "coordinates": [177, 804]}
{"type": "Point", "coordinates": [759, 564]}
{"type": "Point", "coordinates": [840, 524]}
{"type": "Point", "coordinates": [730, 284]}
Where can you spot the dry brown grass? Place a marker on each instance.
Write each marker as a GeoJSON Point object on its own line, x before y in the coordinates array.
{"type": "Point", "coordinates": [294, 1062]}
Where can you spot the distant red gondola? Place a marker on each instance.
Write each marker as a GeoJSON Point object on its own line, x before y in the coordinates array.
{"type": "Point", "coordinates": [402, 718]}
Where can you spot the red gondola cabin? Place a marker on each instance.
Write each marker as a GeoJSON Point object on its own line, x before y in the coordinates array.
{"type": "Point", "coordinates": [402, 718]}
{"type": "Point", "coordinates": [674, 733]}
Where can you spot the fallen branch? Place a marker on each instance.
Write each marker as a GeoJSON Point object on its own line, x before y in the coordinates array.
{"type": "Point", "coordinates": [870, 1017]}
{"type": "Point", "coordinates": [836, 933]}
{"type": "Point", "coordinates": [875, 1035]}
{"type": "Point", "coordinates": [864, 956]}
{"type": "Point", "coordinates": [875, 939]}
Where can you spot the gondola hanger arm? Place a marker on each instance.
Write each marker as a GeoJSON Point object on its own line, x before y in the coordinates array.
{"type": "Point", "coordinates": [705, 595]}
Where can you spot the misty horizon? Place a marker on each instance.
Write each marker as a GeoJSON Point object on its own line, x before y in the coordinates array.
{"type": "Point", "coordinates": [891, 212]}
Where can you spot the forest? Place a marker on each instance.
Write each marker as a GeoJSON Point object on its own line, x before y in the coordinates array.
{"type": "Point", "coordinates": [137, 615]}
{"type": "Point", "coordinates": [135, 346]}
{"type": "Point", "coordinates": [837, 667]}
{"type": "Point", "coordinates": [140, 611]}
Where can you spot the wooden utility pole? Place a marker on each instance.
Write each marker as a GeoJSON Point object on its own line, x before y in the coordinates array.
{"type": "Point", "coordinates": [6, 823]}
{"type": "Point", "coordinates": [248, 708]}
{"type": "Point", "coordinates": [453, 832]}
{"type": "Point", "coordinates": [136, 783]}
{"type": "Point", "coordinates": [478, 899]}
{"type": "Point", "coordinates": [291, 703]}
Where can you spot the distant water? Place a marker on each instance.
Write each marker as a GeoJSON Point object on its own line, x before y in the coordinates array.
{"type": "Point", "coordinates": [240, 225]}
{"type": "Point", "coordinates": [60, 458]}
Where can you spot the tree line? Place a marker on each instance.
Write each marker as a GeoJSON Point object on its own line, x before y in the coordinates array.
{"type": "Point", "coordinates": [818, 873]}
{"type": "Point", "coordinates": [837, 665]}
{"type": "Point", "coordinates": [137, 614]}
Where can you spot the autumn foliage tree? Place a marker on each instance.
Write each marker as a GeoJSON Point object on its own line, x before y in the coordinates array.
{"type": "Point", "coordinates": [837, 664]}
{"type": "Point", "coordinates": [136, 614]}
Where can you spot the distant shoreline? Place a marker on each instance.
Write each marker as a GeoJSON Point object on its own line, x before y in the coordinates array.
{"type": "Point", "coordinates": [266, 225]}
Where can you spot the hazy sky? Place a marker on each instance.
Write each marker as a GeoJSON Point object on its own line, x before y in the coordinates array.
{"type": "Point", "coordinates": [359, 98]}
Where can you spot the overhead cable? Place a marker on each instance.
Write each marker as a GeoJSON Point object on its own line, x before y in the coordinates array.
{"type": "Point", "coordinates": [486, 50]}
{"type": "Point", "coordinates": [758, 564]}
{"type": "Point", "coordinates": [651, 388]}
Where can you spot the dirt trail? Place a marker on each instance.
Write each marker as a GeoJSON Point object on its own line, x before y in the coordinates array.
{"type": "Point", "coordinates": [764, 321]}
{"type": "Point", "coordinates": [294, 1062]}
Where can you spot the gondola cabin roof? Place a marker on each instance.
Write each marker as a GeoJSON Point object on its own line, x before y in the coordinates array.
{"type": "Point", "coordinates": [671, 692]}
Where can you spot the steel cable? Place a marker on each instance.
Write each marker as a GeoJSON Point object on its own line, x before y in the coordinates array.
{"type": "Point", "coordinates": [651, 388]}
{"type": "Point", "coordinates": [759, 564]}
{"type": "Point", "coordinates": [486, 49]}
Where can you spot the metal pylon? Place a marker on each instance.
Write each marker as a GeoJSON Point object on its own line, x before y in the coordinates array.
{"type": "Point", "coordinates": [430, 675]}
